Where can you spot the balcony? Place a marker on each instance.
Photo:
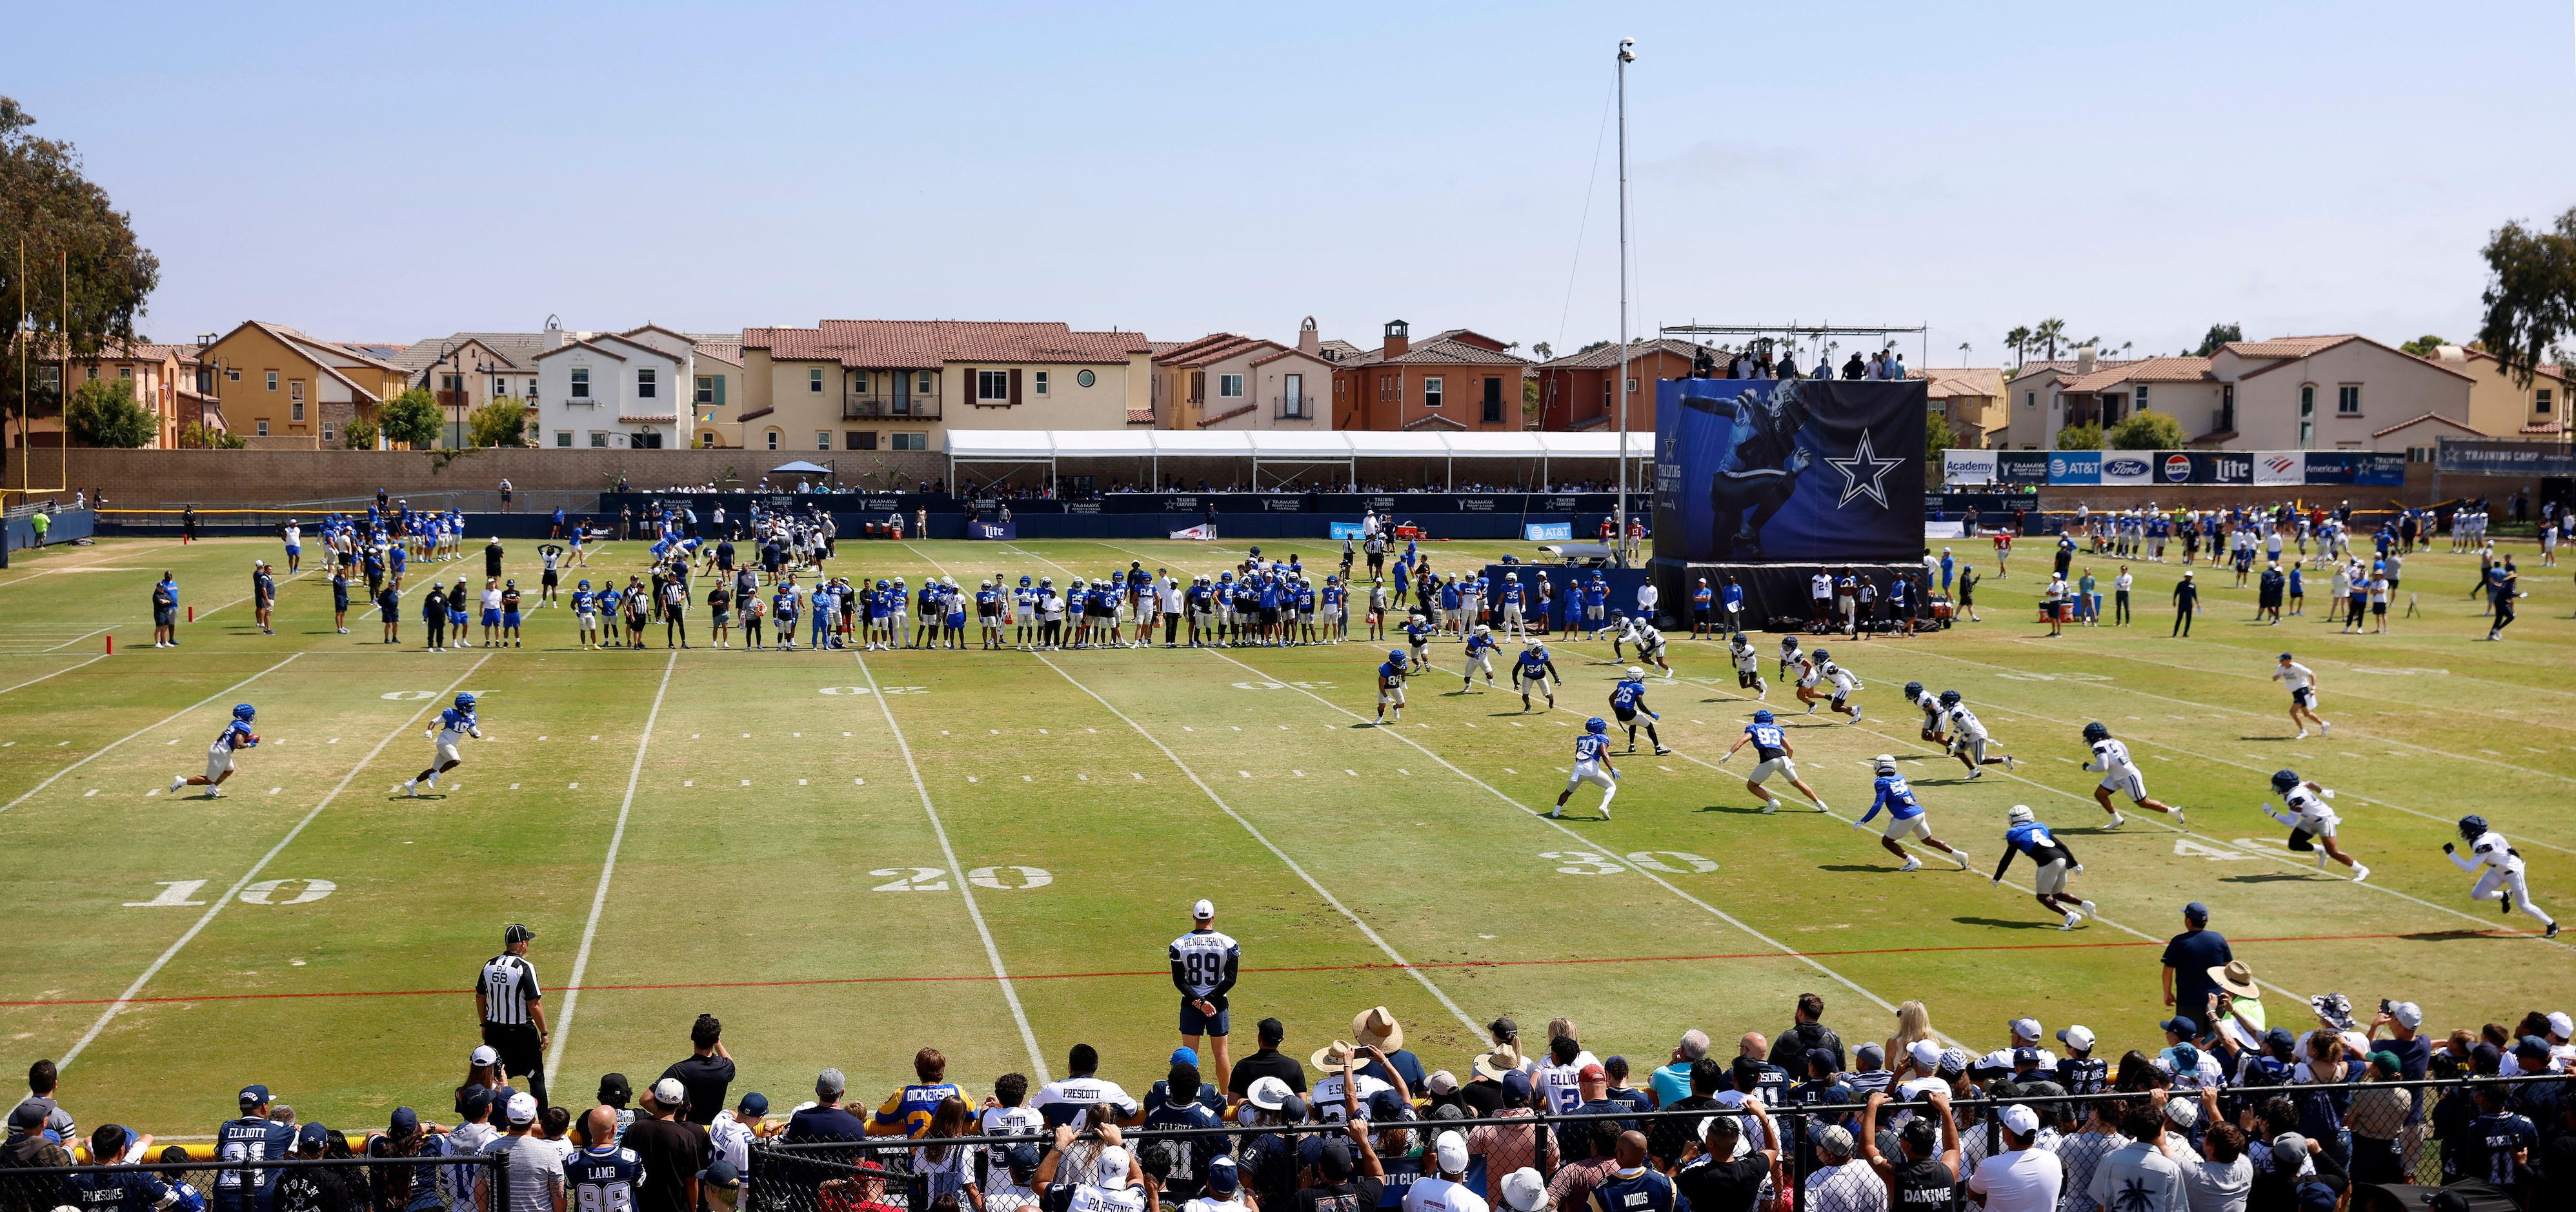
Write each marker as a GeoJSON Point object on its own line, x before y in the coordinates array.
{"type": "Point", "coordinates": [1293, 408]}
{"type": "Point", "coordinates": [860, 407]}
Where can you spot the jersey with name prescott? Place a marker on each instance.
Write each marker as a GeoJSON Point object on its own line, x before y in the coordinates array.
{"type": "Point", "coordinates": [1063, 1102]}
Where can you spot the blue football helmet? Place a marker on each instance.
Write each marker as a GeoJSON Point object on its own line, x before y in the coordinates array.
{"type": "Point", "coordinates": [1596, 725]}
{"type": "Point", "coordinates": [1395, 654]}
{"type": "Point", "coordinates": [244, 712]}
{"type": "Point", "coordinates": [1762, 717]}
{"type": "Point", "coordinates": [465, 702]}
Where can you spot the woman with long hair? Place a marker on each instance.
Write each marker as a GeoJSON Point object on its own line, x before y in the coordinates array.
{"type": "Point", "coordinates": [482, 1073]}
{"type": "Point", "coordinates": [944, 1170]}
{"type": "Point", "coordinates": [1913, 1022]}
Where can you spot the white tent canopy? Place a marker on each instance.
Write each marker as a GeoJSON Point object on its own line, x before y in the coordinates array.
{"type": "Point", "coordinates": [1278, 448]}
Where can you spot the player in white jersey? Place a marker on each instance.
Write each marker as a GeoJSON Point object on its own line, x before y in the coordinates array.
{"type": "Point", "coordinates": [1810, 669]}
{"type": "Point", "coordinates": [1843, 683]}
{"type": "Point", "coordinates": [2119, 773]}
{"type": "Point", "coordinates": [2303, 695]}
{"type": "Point", "coordinates": [2503, 875]}
{"type": "Point", "coordinates": [1968, 737]}
{"type": "Point", "coordinates": [2310, 820]}
{"type": "Point", "coordinates": [1650, 643]}
{"type": "Point", "coordinates": [1935, 717]}
{"type": "Point", "coordinates": [1204, 964]}
{"type": "Point", "coordinates": [454, 725]}
{"type": "Point", "coordinates": [1789, 655]}
{"type": "Point", "coordinates": [1591, 765]}
{"type": "Point", "coordinates": [1748, 666]}
{"type": "Point", "coordinates": [235, 737]}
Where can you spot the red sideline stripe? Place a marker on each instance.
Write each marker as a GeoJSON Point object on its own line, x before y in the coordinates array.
{"type": "Point", "coordinates": [1081, 976]}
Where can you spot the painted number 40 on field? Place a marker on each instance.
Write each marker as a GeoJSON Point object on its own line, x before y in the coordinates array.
{"type": "Point", "coordinates": [1585, 862]}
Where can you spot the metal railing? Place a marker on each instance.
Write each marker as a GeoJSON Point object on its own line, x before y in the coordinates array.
{"type": "Point", "coordinates": [875, 407]}
{"type": "Point", "coordinates": [1292, 408]}
{"type": "Point", "coordinates": [428, 1180]}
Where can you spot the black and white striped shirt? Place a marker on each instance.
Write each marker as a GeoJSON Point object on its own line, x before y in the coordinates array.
{"type": "Point", "coordinates": [509, 984]}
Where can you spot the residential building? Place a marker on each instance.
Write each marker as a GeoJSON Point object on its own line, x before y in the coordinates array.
{"type": "Point", "coordinates": [278, 387]}
{"type": "Point", "coordinates": [1231, 381]}
{"type": "Point", "coordinates": [2334, 392]}
{"type": "Point", "coordinates": [898, 384]}
{"type": "Point", "coordinates": [467, 370]}
{"type": "Point", "coordinates": [2085, 390]}
{"type": "Point", "coordinates": [2499, 407]}
{"type": "Point", "coordinates": [616, 391]}
{"type": "Point", "coordinates": [1455, 380]}
{"type": "Point", "coordinates": [1580, 390]}
{"type": "Point", "coordinates": [716, 391]}
{"type": "Point", "coordinates": [163, 379]}
{"type": "Point", "coordinates": [1970, 399]}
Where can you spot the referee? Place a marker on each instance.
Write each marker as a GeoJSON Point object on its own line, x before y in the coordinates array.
{"type": "Point", "coordinates": [513, 1014]}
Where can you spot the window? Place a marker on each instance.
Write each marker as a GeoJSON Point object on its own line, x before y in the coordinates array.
{"type": "Point", "coordinates": [1490, 409]}
{"type": "Point", "coordinates": [298, 415]}
{"type": "Point", "coordinates": [859, 439]}
{"type": "Point", "coordinates": [2348, 400]}
{"type": "Point", "coordinates": [92, 374]}
{"type": "Point", "coordinates": [262, 427]}
{"type": "Point", "coordinates": [1292, 395]}
{"type": "Point", "coordinates": [644, 383]}
{"type": "Point", "coordinates": [1084, 378]}
{"type": "Point", "coordinates": [598, 440]}
{"type": "Point", "coordinates": [581, 382]}
{"type": "Point", "coordinates": [563, 437]}
{"type": "Point", "coordinates": [1229, 387]}
{"type": "Point", "coordinates": [534, 433]}
{"type": "Point", "coordinates": [272, 380]}
{"type": "Point", "coordinates": [814, 381]}
{"type": "Point", "coordinates": [912, 441]}
{"type": "Point", "coordinates": [2540, 402]}
{"type": "Point", "coordinates": [205, 381]}
{"type": "Point", "coordinates": [1042, 382]}
{"type": "Point", "coordinates": [707, 441]}
{"type": "Point", "coordinates": [2307, 434]}
{"type": "Point", "coordinates": [2307, 402]}
{"type": "Point", "coordinates": [706, 389]}
{"type": "Point", "coordinates": [859, 381]}
{"type": "Point", "coordinates": [445, 382]}
{"type": "Point", "coordinates": [329, 431]}
{"type": "Point", "coordinates": [822, 439]}
{"type": "Point", "coordinates": [2030, 399]}
{"type": "Point", "coordinates": [532, 389]}
{"type": "Point", "coordinates": [926, 387]}
{"type": "Point", "coordinates": [1432, 392]}
{"type": "Point", "coordinates": [233, 373]}
{"type": "Point", "coordinates": [500, 386]}
{"type": "Point", "coordinates": [992, 385]}
{"type": "Point", "coordinates": [2142, 397]}
{"type": "Point", "coordinates": [773, 439]}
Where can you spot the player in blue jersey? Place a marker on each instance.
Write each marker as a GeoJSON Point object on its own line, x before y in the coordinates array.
{"type": "Point", "coordinates": [1535, 671]}
{"type": "Point", "coordinates": [1628, 701]}
{"type": "Point", "coordinates": [1591, 765]}
{"type": "Point", "coordinates": [454, 725]}
{"type": "Point", "coordinates": [2055, 862]}
{"type": "Point", "coordinates": [1480, 655]}
{"type": "Point", "coordinates": [1775, 756]}
{"type": "Point", "coordinates": [585, 611]}
{"type": "Point", "coordinates": [612, 607]}
{"type": "Point", "coordinates": [988, 616]}
{"type": "Point", "coordinates": [235, 737]}
{"type": "Point", "coordinates": [1337, 610]}
{"type": "Point", "coordinates": [1905, 817]}
{"type": "Point", "coordinates": [1390, 683]}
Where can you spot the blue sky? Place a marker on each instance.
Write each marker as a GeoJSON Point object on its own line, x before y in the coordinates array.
{"type": "Point", "coordinates": [378, 172]}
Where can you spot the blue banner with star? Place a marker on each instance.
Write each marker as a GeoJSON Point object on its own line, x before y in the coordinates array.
{"type": "Point", "coordinates": [1799, 470]}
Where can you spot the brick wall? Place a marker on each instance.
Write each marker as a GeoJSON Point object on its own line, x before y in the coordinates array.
{"type": "Point", "coordinates": [142, 478]}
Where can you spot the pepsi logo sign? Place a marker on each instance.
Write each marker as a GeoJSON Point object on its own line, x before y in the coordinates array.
{"type": "Point", "coordinates": [2178, 467]}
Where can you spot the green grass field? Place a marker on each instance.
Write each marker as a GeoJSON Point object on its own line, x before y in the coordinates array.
{"type": "Point", "coordinates": [780, 838]}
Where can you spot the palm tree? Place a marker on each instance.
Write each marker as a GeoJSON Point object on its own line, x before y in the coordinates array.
{"type": "Point", "coordinates": [1964, 350]}
{"type": "Point", "coordinates": [2018, 341]}
{"type": "Point", "coordinates": [2049, 333]}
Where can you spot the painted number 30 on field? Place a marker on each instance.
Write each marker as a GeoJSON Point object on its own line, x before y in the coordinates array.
{"type": "Point", "coordinates": [935, 879]}
{"type": "Point", "coordinates": [881, 690]}
{"type": "Point", "coordinates": [1584, 862]}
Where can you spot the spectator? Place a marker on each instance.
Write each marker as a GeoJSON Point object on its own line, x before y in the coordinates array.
{"type": "Point", "coordinates": [615, 1094]}
{"type": "Point", "coordinates": [1224, 1191]}
{"type": "Point", "coordinates": [1010, 1184]}
{"type": "Point", "coordinates": [945, 1174]}
{"type": "Point", "coordinates": [1869, 1072]}
{"type": "Point", "coordinates": [1808, 1032]}
{"type": "Point", "coordinates": [2137, 1176]}
{"type": "Point", "coordinates": [1511, 1147]}
{"type": "Point", "coordinates": [707, 1072]}
{"type": "Point", "coordinates": [1570, 1189]}
{"type": "Point", "coordinates": [1445, 1188]}
{"type": "Point", "coordinates": [320, 1189]}
{"type": "Point", "coordinates": [43, 1079]}
{"type": "Point", "coordinates": [1377, 1028]}
{"type": "Point", "coordinates": [1840, 1183]}
{"type": "Point", "coordinates": [2377, 1115]}
{"type": "Point", "coordinates": [1913, 1024]}
{"type": "Point", "coordinates": [1266, 1061]}
{"type": "Point", "coordinates": [825, 1120]}
{"type": "Point", "coordinates": [1632, 1186]}
{"type": "Point", "coordinates": [1723, 1175]}
{"type": "Point", "coordinates": [1179, 1106]}
{"type": "Point", "coordinates": [1441, 1090]}
{"type": "Point", "coordinates": [402, 1188]}
{"type": "Point", "coordinates": [2027, 1178]}
{"type": "Point", "coordinates": [28, 1146]}
{"type": "Point", "coordinates": [1270, 1163]}
{"type": "Point", "coordinates": [1772, 1079]}
{"type": "Point", "coordinates": [1579, 1140]}
{"type": "Point", "coordinates": [1207, 1095]}
{"type": "Point", "coordinates": [1619, 1091]}
{"type": "Point", "coordinates": [534, 1185]}
{"type": "Point", "coordinates": [1672, 1083]}
{"type": "Point", "coordinates": [672, 1152]}
{"type": "Point", "coordinates": [720, 1186]}
{"type": "Point", "coordinates": [729, 1136]}
{"type": "Point", "coordinates": [1063, 1102]}
{"type": "Point", "coordinates": [2188, 958]}
{"type": "Point", "coordinates": [908, 1111]}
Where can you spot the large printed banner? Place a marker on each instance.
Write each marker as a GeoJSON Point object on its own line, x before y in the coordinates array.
{"type": "Point", "coordinates": [2504, 458]}
{"type": "Point", "coordinates": [1802, 470]}
{"type": "Point", "coordinates": [2141, 468]}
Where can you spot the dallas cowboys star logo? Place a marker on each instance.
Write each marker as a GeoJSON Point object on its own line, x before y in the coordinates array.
{"type": "Point", "coordinates": [1863, 473]}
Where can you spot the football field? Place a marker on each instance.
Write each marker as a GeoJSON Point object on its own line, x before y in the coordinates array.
{"type": "Point", "coordinates": [850, 855]}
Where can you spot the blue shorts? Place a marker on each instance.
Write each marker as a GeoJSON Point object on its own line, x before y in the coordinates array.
{"type": "Point", "coordinates": [1195, 1023]}
{"type": "Point", "coordinates": [491, 618]}
{"type": "Point", "coordinates": [456, 618]}
{"type": "Point", "coordinates": [510, 618]}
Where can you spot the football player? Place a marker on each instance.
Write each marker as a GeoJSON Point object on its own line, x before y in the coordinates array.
{"type": "Point", "coordinates": [454, 725]}
{"type": "Point", "coordinates": [2302, 682]}
{"type": "Point", "coordinates": [1776, 756]}
{"type": "Point", "coordinates": [2025, 835]}
{"type": "Point", "coordinates": [2503, 875]}
{"type": "Point", "coordinates": [1905, 817]}
{"type": "Point", "coordinates": [235, 737]}
{"type": "Point", "coordinates": [1480, 655]}
{"type": "Point", "coordinates": [1844, 686]}
{"type": "Point", "coordinates": [1591, 765]}
{"type": "Point", "coordinates": [1628, 701]}
{"type": "Point", "coordinates": [1390, 682]}
{"type": "Point", "coordinates": [1934, 715]}
{"type": "Point", "coordinates": [2119, 773]}
{"type": "Point", "coordinates": [1968, 737]}
{"type": "Point", "coordinates": [2310, 820]}
{"type": "Point", "coordinates": [1748, 666]}
{"type": "Point", "coordinates": [1535, 671]}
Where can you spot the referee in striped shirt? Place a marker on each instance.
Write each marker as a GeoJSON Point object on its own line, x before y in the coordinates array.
{"type": "Point", "coordinates": [512, 1011]}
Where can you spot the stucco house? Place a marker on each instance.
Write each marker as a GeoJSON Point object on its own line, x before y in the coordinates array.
{"type": "Point", "coordinates": [2335, 392]}
{"type": "Point", "coordinates": [1231, 381]}
{"type": "Point", "coordinates": [615, 391]}
{"type": "Point", "coordinates": [898, 384]}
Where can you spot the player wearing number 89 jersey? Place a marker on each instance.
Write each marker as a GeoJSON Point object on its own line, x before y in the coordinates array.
{"type": "Point", "coordinates": [1204, 964]}
{"type": "Point", "coordinates": [1390, 682]}
{"type": "Point", "coordinates": [602, 1178]}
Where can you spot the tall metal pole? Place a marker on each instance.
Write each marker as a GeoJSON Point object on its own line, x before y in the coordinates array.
{"type": "Point", "coordinates": [1619, 537]}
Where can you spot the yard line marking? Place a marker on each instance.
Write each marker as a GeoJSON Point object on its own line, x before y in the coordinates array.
{"type": "Point", "coordinates": [1282, 855]}
{"type": "Point", "coordinates": [100, 657]}
{"type": "Point", "coordinates": [607, 868]}
{"type": "Point", "coordinates": [87, 634]}
{"type": "Point", "coordinates": [1010, 994]}
{"type": "Point", "coordinates": [1560, 827]}
{"type": "Point", "coordinates": [208, 918]}
{"type": "Point", "coordinates": [165, 721]}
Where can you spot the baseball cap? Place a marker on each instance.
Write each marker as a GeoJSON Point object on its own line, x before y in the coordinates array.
{"type": "Point", "coordinates": [1335, 1161]}
{"type": "Point", "coordinates": [315, 1136]}
{"type": "Point", "coordinates": [405, 1121]}
{"type": "Point", "coordinates": [1443, 1082]}
{"type": "Point", "coordinates": [2181, 1026]}
{"type": "Point", "coordinates": [1524, 1190]}
{"type": "Point", "coordinates": [1293, 1109]}
{"type": "Point", "coordinates": [1955, 1060]}
{"type": "Point", "coordinates": [1203, 910]}
{"type": "Point", "coordinates": [1823, 1057]}
{"type": "Point", "coordinates": [483, 1055]}
{"type": "Point", "coordinates": [2196, 911]}
{"type": "Point", "coordinates": [252, 1096]}
{"type": "Point", "coordinates": [2486, 1055]}
{"type": "Point", "coordinates": [2318, 1197]}
{"type": "Point", "coordinates": [1267, 1093]}
{"type": "Point", "coordinates": [1023, 1159]}
{"type": "Point", "coordinates": [670, 1093]}
{"type": "Point", "coordinates": [2025, 1028]}
{"type": "Point", "coordinates": [614, 1090]}
{"type": "Point", "coordinates": [523, 1108]}
{"type": "Point", "coordinates": [2021, 1120]}
{"type": "Point", "coordinates": [1505, 1027]}
{"type": "Point", "coordinates": [1184, 1055]}
{"type": "Point", "coordinates": [2559, 1024]}
{"type": "Point", "coordinates": [720, 1173]}
{"type": "Point", "coordinates": [2079, 1038]}
{"type": "Point", "coordinates": [755, 1103]}
{"type": "Point", "coordinates": [2410, 1016]}
{"type": "Point", "coordinates": [2182, 1113]}
{"type": "Point", "coordinates": [1516, 1085]}
{"type": "Point", "coordinates": [1452, 1150]}
{"type": "Point", "coordinates": [2532, 1047]}
{"type": "Point", "coordinates": [1111, 1171]}
{"type": "Point", "coordinates": [1924, 1053]}
{"type": "Point", "coordinates": [1871, 1053]}
{"type": "Point", "coordinates": [2291, 1143]}
{"type": "Point", "coordinates": [27, 1116]}
{"type": "Point", "coordinates": [2025, 1056]}
{"type": "Point", "coordinates": [514, 932]}
{"type": "Point", "coordinates": [1590, 1073]}
{"type": "Point", "coordinates": [830, 1083]}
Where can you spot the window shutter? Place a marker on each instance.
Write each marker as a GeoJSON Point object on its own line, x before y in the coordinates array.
{"type": "Point", "coordinates": [969, 387]}
{"type": "Point", "coordinates": [1015, 385]}
{"type": "Point", "coordinates": [720, 382]}
{"type": "Point", "coordinates": [1198, 386]}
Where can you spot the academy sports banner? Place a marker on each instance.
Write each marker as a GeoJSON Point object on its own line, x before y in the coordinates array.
{"type": "Point", "coordinates": [2075, 467]}
{"type": "Point", "coordinates": [1788, 469]}
{"type": "Point", "coordinates": [1967, 466]}
{"type": "Point", "coordinates": [2132, 467]}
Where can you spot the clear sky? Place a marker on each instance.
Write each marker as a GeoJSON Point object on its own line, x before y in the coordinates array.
{"type": "Point", "coordinates": [392, 172]}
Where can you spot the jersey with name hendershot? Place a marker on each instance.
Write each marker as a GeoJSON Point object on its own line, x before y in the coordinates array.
{"type": "Point", "coordinates": [1204, 962]}
{"type": "Point", "coordinates": [509, 983]}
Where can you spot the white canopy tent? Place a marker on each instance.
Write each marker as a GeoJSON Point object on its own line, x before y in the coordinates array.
{"type": "Point", "coordinates": [1276, 448]}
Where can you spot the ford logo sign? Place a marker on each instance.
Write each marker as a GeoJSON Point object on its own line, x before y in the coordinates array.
{"type": "Point", "coordinates": [2178, 467]}
{"type": "Point", "coordinates": [2125, 467]}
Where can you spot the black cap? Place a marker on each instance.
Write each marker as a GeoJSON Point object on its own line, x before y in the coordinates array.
{"type": "Point", "coordinates": [514, 933]}
{"type": "Point", "coordinates": [613, 1089]}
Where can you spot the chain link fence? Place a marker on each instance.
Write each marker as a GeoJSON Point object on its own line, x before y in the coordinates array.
{"type": "Point", "coordinates": [383, 1180]}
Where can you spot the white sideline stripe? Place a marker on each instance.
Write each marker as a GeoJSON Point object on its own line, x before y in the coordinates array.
{"type": "Point", "coordinates": [55, 674]}
{"type": "Point", "coordinates": [101, 751]}
{"type": "Point", "coordinates": [607, 869]}
{"type": "Point", "coordinates": [208, 918]}
{"type": "Point", "coordinates": [957, 872]}
{"type": "Point", "coordinates": [1281, 855]}
{"type": "Point", "coordinates": [104, 557]}
{"type": "Point", "coordinates": [1560, 827]}
{"type": "Point", "coordinates": [925, 556]}
{"type": "Point", "coordinates": [77, 639]}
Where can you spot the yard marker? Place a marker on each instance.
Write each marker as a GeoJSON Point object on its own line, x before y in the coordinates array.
{"type": "Point", "coordinates": [688, 782]}
{"type": "Point", "coordinates": [1299, 773]}
{"type": "Point", "coordinates": [1133, 775]}
{"type": "Point", "coordinates": [173, 716]}
{"type": "Point", "coordinates": [94, 791]}
{"type": "Point", "coordinates": [800, 782]}
{"type": "Point", "coordinates": [1350, 772]}
{"type": "Point", "coordinates": [60, 744]}
{"type": "Point", "coordinates": [275, 790]}
{"type": "Point", "coordinates": [111, 640]}
{"type": "Point", "coordinates": [572, 787]}
{"type": "Point", "coordinates": [136, 989]}
{"type": "Point", "coordinates": [970, 778]}
{"type": "Point", "coordinates": [335, 740]}
{"type": "Point", "coordinates": [514, 786]}
{"type": "Point", "coordinates": [2349, 754]}
{"type": "Point", "coordinates": [607, 867]}
{"type": "Point", "coordinates": [1026, 779]}
{"type": "Point", "coordinates": [860, 782]}
{"type": "Point", "coordinates": [1244, 773]}
{"type": "Point", "coordinates": [1001, 975]}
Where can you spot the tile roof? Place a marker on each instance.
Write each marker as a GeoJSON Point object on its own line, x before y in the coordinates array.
{"type": "Point", "coordinates": [1140, 416]}
{"type": "Point", "coordinates": [1607, 356]}
{"type": "Point", "coordinates": [728, 351]}
{"type": "Point", "coordinates": [1229, 415]}
{"type": "Point", "coordinates": [293, 337]}
{"type": "Point", "coordinates": [2143, 370]}
{"type": "Point", "coordinates": [664, 418]}
{"type": "Point", "coordinates": [2543, 427]}
{"type": "Point", "coordinates": [1433, 419]}
{"type": "Point", "coordinates": [1212, 348]}
{"type": "Point", "coordinates": [1338, 350]}
{"type": "Point", "coordinates": [1439, 351]}
{"type": "Point", "coordinates": [517, 350]}
{"type": "Point", "coordinates": [2287, 347]}
{"type": "Point", "coordinates": [1948, 381]}
{"type": "Point", "coordinates": [2430, 416]}
{"type": "Point", "coordinates": [930, 344]}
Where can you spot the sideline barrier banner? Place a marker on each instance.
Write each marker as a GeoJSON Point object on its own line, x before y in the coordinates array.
{"type": "Point", "coordinates": [2264, 468]}
{"type": "Point", "coordinates": [2471, 457]}
{"type": "Point", "coordinates": [2075, 467]}
{"type": "Point", "coordinates": [1967, 466]}
{"type": "Point", "coordinates": [1200, 531]}
{"type": "Point", "coordinates": [2128, 467]}
{"type": "Point", "coordinates": [1548, 532]}
{"type": "Point", "coordinates": [1004, 531]}
{"type": "Point", "coordinates": [1349, 530]}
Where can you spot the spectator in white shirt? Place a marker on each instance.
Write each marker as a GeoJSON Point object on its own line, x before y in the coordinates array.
{"type": "Point", "coordinates": [2137, 1176]}
{"type": "Point", "coordinates": [2024, 1179]}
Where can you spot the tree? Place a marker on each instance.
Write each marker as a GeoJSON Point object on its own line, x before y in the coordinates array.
{"type": "Point", "coordinates": [2048, 334]}
{"type": "Point", "coordinates": [1543, 352]}
{"type": "Point", "coordinates": [2424, 346]}
{"type": "Point", "coordinates": [1936, 438]}
{"type": "Point", "coordinates": [2530, 295]}
{"type": "Point", "coordinates": [2018, 341]}
{"type": "Point", "coordinates": [411, 418]}
{"type": "Point", "coordinates": [104, 413]}
{"type": "Point", "coordinates": [68, 226]}
{"type": "Point", "coordinates": [358, 434]}
{"type": "Point", "coordinates": [201, 436]}
{"type": "Point", "coordinates": [1596, 345]}
{"type": "Point", "coordinates": [2144, 430]}
{"type": "Point", "coordinates": [503, 422]}
{"type": "Point", "coordinates": [2218, 334]}
{"type": "Point", "coordinates": [2079, 437]}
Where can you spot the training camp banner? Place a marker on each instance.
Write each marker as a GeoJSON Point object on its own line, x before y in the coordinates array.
{"type": "Point", "coordinates": [1788, 470]}
{"type": "Point", "coordinates": [2141, 468]}
{"type": "Point", "coordinates": [2471, 457]}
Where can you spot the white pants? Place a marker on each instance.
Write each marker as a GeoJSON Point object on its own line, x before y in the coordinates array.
{"type": "Point", "coordinates": [1484, 662]}
{"type": "Point", "coordinates": [1536, 684]}
{"type": "Point", "coordinates": [2500, 880]}
{"type": "Point", "coordinates": [219, 761]}
{"type": "Point", "coordinates": [1918, 825]}
{"type": "Point", "coordinates": [2130, 783]}
{"type": "Point", "coordinates": [1778, 765]}
{"type": "Point", "coordinates": [1588, 772]}
{"type": "Point", "coordinates": [1391, 697]}
{"type": "Point", "coordinates": [447, 753]}
{"type": "Point", "coordinates": [2052, 878]}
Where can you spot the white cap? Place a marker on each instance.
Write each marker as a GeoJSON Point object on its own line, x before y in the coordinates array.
{"type": "Point", "coordinates": [669, 1092]}
{"type": "Point", "coordinates": [1926, 1054]}
{"type": "Point", "coordinates": [1112, 1171]}
{"type": "Point", "coordinates": [1452, 1150]}
{"type": "Point", "coordinates": [2026, 1028]}
{"type": "Point", "coordinates": [1524, 1190]}
{"type": "Point", "coordinates": [2559, 1024]}
{"type": "Point", "coordinates": [523, 1108]}
{"type": "Point", "coordinates": [2411, 1016]}
{"type": "Point", "coordinates": [2182, 1113]}
{"type": "Point", "coordinates": [2022, 1121]}
{"type": "Point", "coordinates": [1203, 910]}
{"type": "Point", "coordinates": [2078, 1038]}
{"type": "Point", "coordinates": [484, 1055]}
